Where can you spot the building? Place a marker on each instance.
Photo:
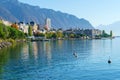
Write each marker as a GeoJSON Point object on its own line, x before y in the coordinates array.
{"type": "Point", "coordinates": [23, 27]}
{"type": "Point", "coordinates": [7, 23]}
{"type": "Point", "coordinates": [34, 26]}
{"type": "Point", "coordinates": [92, 33]}
{"type": "Point", "coordinates": [48, 24]}
{"type": "Point", "coordinates": [79, 31]}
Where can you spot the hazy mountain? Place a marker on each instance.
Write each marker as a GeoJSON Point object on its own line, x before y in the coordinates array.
{"type": "Point", "coordinates": [15, 11]}
{"type": "Point", "coordinates": [115, 27]}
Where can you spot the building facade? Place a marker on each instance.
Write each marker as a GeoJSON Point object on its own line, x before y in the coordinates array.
{"type": "Point", "coordinates": [23, 27]}
{"type": "Point", "coordinates": [48, 24]}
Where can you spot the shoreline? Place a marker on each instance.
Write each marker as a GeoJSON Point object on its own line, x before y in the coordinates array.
{"type": "Point", "coordinates": [5, 44]}
{"type": "Point", "coordinates": [36, 39]}
{"type": "Point", "coordinates": [10, 42]}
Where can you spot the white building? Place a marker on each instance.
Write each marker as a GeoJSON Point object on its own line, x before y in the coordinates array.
{"type": "Point", "coordinates": [34, 26]}
{"type": "Point", "coordinates": [7, 23]}
{"type": "Point", "coordinates": [23, 27]}
{"type": "Point", "coordinates": [48, 24]}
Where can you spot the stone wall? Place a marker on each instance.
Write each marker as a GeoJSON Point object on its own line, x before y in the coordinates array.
{"type": "Point", "coordinates": [5, 44]}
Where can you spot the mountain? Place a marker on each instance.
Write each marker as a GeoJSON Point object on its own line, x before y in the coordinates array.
{"type": "Point", "coordinates": [15, 11]}
{"type": "Point", "coordinates": [115, 27]}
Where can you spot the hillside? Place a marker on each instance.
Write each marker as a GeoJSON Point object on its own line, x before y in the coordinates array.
{"type": "Point", "coordinates": [14, 11]}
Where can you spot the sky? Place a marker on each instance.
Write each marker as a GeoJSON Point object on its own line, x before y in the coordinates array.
{"type": "Point", "coordinates": [95, 11]}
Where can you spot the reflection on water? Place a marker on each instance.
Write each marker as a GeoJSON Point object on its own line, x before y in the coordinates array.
{"type": "Point", "coordinates": [4, 58]}
{"type": "Point", "coordinates": [7, 54]}
{"type": "Point", "coordinates": [54, 60]}
{"type": "Point", "coordinates": [25, 52]}
{"type": "Point", "coordinates": [47, 49]}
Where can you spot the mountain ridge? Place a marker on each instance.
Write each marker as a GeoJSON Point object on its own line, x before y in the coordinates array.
{"type": "Point", "coordinates": [16, 11]}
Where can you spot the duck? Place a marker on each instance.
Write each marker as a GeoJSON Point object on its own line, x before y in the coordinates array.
{"type": "Point", "coordinates": [109, 61]}
{"type": "Point", "coordinates": [75, 54]}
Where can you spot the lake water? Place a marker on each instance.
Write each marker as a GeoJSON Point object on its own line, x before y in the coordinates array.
{"type": "Point", "coordinates": [54, 60]}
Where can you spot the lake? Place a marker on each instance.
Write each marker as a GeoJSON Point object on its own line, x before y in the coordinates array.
{"type": "Point", "coordinates": [54, 60]}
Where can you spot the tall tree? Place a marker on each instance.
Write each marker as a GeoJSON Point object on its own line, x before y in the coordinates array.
{"type": "Point", "coordinates": [111, 34]}
{"type": "Point", "coordinates": [30, 33]}
{"type": "Point", "coordinates": [14, 26]}
{"type": "Point", "coordinates": [103, 32]}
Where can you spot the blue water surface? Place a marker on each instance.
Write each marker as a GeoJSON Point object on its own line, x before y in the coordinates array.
{"type": "Point", "coordinates": [54, 60]}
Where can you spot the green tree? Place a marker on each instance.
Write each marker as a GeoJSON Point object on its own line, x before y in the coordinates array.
{"type": "Point", "coordinates": [38, 34]}
{"type": "Point", "coordinates": [3, 31]}
{"type": "Point", "coordinates": [30, 31]}
{"type": "Point", "coordinates": [111, 34]}
{"type": "Point", "coordinates": [41, 34]}
{"type": "Point", "coordinates": [13, 33]}
{"type": "Point", "coordinates": [48, 35]}
{"type": "Point", "coordinates": [103, 32]}
{"type": "Point", "coordinates": [21, 35]}
{"type": "Point", "coordinates": [59, 34]}
{"type": "Point", "coordinates": [72, 35]}
{"type": "Point", "coordinates": [10, 32]}
{"type": "Point", "coordinates": [54, 35]}
{"type": "Point", "coordinates": [14, 26]}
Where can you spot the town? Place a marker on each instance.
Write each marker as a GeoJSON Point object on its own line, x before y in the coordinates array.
{"type": "Point", "coordinates": [34, 31]}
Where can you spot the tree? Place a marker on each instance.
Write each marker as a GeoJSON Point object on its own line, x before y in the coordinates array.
{"type": "Point", "coordinates": [20, 34]}
{"type": "Point", "coordinates": [49, 35]}
{"type": "Point", "coordinates": [103, 32]}
{"type": "Point", "coordinates": [10, 32]}
{"type": "Point", "coordinates": [72, 35]}
{"type": "Point", "coordinates": [59, 34]}
{"type": "Point", "coordinates": [38, 34]}
{"type": "Point", "coordinates": [111, 34]}
{"type": "Point", "coordinates": [30, 31]}
{"type": "Point", "coordinates": [54, 35]}
{"type": "Point", "coordinates": [3, 31]}
{"type": "Point", "coordinates": [13, 33]}
{"type": "Point", "coordinates": [2, 34]}
{"type": "Point", "coordinates": [14, 26]}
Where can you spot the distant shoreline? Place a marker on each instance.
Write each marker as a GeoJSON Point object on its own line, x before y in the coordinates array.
{"type": "Point", "coordinates": [35, 39]}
